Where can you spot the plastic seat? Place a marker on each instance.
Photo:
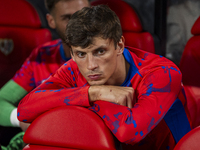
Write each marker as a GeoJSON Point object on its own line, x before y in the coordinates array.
{"type": "Point", "coordinates": [190, 68]}
{"type": "Point", "coordinates": [69, 127]}
{"type": "Point", "coordinates": [132, 28]}
{"type": "Point", "coordinates": [190, 141]}
{"type": "Point", "coordinates": [20, 33]}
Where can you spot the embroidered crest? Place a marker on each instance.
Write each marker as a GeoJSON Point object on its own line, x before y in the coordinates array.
{"type": "Point", "coordinates": [6, 46]}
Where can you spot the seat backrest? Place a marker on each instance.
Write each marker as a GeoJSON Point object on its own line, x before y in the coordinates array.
{"type": "Point", "coordinates": [69, 127]}
{"type": "Point", "coordinates": [132, 28]}
{"type": "Point", "coordinates": [190, 68]}
{"type": "Point", "coordinates": [20, 33]}
{"type": "Point", "coordinates": [190, 60]}
{"type": "Point", "coordinates": [193, 103]}
{"type": "Point", "coordinates": [190, 141]}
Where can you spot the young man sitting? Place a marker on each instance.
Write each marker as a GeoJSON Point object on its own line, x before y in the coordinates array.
{"type": "Point", "coordinates": [138, 94]}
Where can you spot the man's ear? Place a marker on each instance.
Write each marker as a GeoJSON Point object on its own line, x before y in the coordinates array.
{"type": "Point", "coordinates": [72, 56]}
{"type": "Point", "coordinates": [51, 21]}
{"type": "Point", "coordinates": [120, 46]}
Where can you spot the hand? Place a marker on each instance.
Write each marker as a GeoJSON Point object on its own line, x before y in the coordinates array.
{"type": "Point", "coordinates": [115, 94]}
{"type": "Point", "coordinates": [24, 126]}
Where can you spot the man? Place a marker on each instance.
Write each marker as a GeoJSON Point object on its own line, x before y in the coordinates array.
{"type": "Point", "coordinates": [180, 19]}
{"type": "Point", "coordinates": [43, 61]}
{"type": "Point", "coordinates": [138, 94]}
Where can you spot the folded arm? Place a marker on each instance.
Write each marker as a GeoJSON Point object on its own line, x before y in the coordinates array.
{"type": "Point", "coordinates": [156, 93]}
{"type": "Point", "coordinates": [52, 93]}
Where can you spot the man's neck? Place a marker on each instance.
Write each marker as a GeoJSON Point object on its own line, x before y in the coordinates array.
{"type": "Point", "coordinates": [127, 66]}
{"type": "Point", "coordinates": [121, 73]}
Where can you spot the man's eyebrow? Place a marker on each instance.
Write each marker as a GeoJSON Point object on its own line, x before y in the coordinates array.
{"type": "Point", "coordinates": [96, 49]}
{"type": "Point", "coordinates": [100, 48]}
{"type": "Point", "coordinates": [76, 50]}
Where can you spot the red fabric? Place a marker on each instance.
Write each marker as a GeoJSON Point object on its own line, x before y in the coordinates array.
{"type": "Point", "coordinates": [43, 61]}
{"type": "Point", "coordinates": [18, 13]}
{"type": "Point", "coordinates": [190, 68]}
{"type": "Point", "coordinates": [71, 127]}
{"type": "Point", "coordinates": [132, 28]}
{"type": "Point", "coordinates": [190, 141]}
{"type": "Point", "coordinates": [158, 85]}
{"type": "Point", "coordinates": [20, 33]}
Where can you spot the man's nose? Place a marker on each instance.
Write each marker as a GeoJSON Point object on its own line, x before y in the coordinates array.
{"type": "Point", "coordinates": [92, 63]}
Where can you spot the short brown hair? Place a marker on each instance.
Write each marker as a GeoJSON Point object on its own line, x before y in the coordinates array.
{"type": "Point", "coordinates": [96, 21]}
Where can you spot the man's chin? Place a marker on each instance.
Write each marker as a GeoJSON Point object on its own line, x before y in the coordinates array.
{"type": "Point", "coordinates": [96, 82]}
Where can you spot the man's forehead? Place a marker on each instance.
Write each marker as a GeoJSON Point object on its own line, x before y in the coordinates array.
{"type": "Point", "coordinates": [71, 6]}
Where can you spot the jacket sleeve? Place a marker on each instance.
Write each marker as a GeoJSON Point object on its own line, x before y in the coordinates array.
{"type": "Point", "coordinates": [10, 94]}
{"type": "Point", "coordinates": [156, 93]}
{"type": "Point", "coordinates": [25, 75]}
{"type": "Point", "coordinates": [60, 89]}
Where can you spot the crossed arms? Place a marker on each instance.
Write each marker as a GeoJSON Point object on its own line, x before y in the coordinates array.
{"type": "Point", "coordinates": [127, 112]}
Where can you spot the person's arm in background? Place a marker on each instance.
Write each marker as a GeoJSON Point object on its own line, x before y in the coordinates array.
{"type": "Point", "coordinates": [14, 90]}
{"type": "Point", "coordinates": [175, 35]}
{"type": "Point", "coordinates": [10, 94]}
{"type": "Point", "coordinates": [180, 20]}
{"type": "Point", "coordinates": [60, 89]}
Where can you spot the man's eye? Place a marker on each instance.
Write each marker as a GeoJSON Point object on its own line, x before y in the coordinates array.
{"type": "Point", "coordinates": [80, 54]}
{"type": "Point", "coordinates": [67, 17]}
{"type": "Point", "coordinates": [101, 51]}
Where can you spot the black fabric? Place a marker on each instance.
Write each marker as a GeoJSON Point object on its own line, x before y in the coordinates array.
{"type": "Point", "coordinates": [7, 133]}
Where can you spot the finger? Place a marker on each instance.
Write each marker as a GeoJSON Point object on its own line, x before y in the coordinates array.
{"type": "Point", "coordinates": [129, 102]}
{"type": "Point", "coordinates": [132, 94]}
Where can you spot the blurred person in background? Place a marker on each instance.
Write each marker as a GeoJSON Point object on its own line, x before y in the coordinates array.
{"type": "Point", "coordinates": [43, 61]}
{"type": "Point", "coordinates": [180, 19]}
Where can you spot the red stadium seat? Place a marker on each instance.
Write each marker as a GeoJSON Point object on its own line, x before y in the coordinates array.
{"type": "Point", "coordinates": [20, 33]}
{"type": "Point", "coordinates": [190, 68]}
{"type": "Point", "coordinates": [132, 28]}
{"type": "Point", "coordinates": [190, 141]}
{"type": "Point", "coordinates": [69, 127]}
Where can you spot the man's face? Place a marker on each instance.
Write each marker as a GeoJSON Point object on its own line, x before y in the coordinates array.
{"type": "Point", "coordinates": [63, 11]}
{"type": "Point", "coordinates": [98, 63]}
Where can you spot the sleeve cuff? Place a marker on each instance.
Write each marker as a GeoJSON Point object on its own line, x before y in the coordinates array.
{"type": "Point", "coordinates": [13, 118]}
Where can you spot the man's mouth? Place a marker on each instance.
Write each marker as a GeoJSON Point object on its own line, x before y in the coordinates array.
{"type": "Point", "coordinates": [94, 77]}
